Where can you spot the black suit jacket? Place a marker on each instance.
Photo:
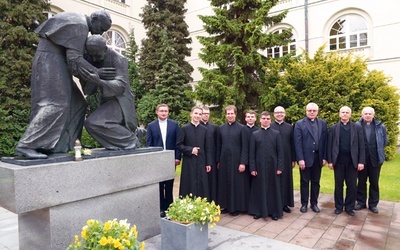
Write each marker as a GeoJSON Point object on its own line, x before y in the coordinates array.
{"type": "Point", "coordinates": [154, 137]}
{"type": "Point", "coordinates": [357, 146]}
{"type": "Point", "coordinates": [304, 141]}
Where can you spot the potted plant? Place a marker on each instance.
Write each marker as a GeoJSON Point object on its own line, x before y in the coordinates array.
{"type": "Point", "coordinates": [108, 235]}
{"type": "Point", "coordinates": [186, 224]}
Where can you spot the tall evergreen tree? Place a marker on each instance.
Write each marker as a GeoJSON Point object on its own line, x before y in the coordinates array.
{"type": "Point", "coordinates": [133, 70]}
{"type": "Point", "coordinates": [159, 16]}
{"type": "Point", "coordinates": [171, 87]}
{"type": "Point", "coordinates": [232, 49]}
{"type": "Point", "coordinates": [18, 20]}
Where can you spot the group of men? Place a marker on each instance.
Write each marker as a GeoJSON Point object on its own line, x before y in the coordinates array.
{"type": "Point", "coordinates": [353, 150]}
{"type": "Point", "coordinates": [248, 169]}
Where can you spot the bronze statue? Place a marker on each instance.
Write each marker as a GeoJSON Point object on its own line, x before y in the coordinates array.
{"type": "Point", "coordinates": [58, 106]}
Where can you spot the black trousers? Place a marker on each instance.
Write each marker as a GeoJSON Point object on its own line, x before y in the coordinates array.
{"type": "Point", "coordinates": [310, 175]}
{"type": "Point", "coordinates": [166, 194]}
{"type": "Point", "coordinates": [372, 174]}
{"type": "Point", "coordinates": [345, 173]}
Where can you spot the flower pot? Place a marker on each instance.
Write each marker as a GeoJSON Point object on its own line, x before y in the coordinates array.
{"type": "Point", "coordinates": [177, 236]}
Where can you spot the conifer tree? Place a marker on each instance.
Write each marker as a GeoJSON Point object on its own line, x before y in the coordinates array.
{"type": "Point", "coordinates": [159, 16]}
{"type": "Point", "coordinates": [133, 69]}
{"type": "Point", "coordinates": [232, 50]}
{"type": "Point", "coordinates": [170, 88]}
{"type": "Point", "coordinates": [18, 20]}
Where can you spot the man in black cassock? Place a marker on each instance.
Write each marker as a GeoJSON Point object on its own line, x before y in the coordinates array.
{"type": "Point", "coordinates": [192, 142]}
{"type": "Point", "coordinates": [286, 131]}
{"type": "Point", "coordinates": [213, 135]}
{"type": "Point", "coordinates": [250, 118]}
{"type": "Point", "coordinates": [233, 180]}
{"type": "Point", "coordinates": [266, 165]}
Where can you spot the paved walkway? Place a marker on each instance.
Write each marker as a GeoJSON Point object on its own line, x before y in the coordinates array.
{"type": "Point", "coordinates": [296, 230]}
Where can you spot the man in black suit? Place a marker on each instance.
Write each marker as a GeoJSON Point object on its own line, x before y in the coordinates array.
{"type": "Point", "coordinates": [346, 156]}
{"type": "Point", "coordinates": [164, 132]}
{"type": "Point", "coordinates": [310, 138]}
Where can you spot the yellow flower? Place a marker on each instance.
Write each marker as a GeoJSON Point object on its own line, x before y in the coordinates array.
{"type": "Point", "coordinates": [127, 243]}
{"type": "Point", "coordinates": [84, 232]}
{"type": "Point", "coordinates": [90, 222]}
{"type": "Point", "coordinates": [107, 226]}
{"type": "Point", "coordinates": [103, 241]}
{"type": "Point", "coordinates": [142, 246]}
{"type": "Point", "coordinates": [117, 244]}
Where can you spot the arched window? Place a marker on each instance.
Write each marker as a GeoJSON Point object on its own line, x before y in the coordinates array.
{"type": "Point", "coordinates": [279, 51]}
{"type": "Point", "coordinates": [348, 32]}
{"type": "Point", "coordinates": [115, 41]}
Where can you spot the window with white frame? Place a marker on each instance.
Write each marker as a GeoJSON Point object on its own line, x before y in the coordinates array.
{"type": "Point", "coordinates": [115, 41]}
{"type": "Point", "coordinates": [279, 51]}
{"type": "Point", "coordinates": [348, 32]}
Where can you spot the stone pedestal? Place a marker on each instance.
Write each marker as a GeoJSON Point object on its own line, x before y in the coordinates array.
{"type": "Point", "coordinates": [54, 201]}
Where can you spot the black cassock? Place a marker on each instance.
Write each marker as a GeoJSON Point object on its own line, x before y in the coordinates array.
{"type": "Point", "coordinates": [233, 186]}
{"type": "Point", "coordinates": [194, 178]}
{"type": "Point", "coordinates": [266, 157]}
{"type": "Point", "coordinates": [213, 142]}
{"type": "Point", "coordinates": [286, 131]}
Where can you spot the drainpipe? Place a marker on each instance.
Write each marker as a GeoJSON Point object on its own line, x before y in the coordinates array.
{"type": "Point", "coordinates": [306, 24]}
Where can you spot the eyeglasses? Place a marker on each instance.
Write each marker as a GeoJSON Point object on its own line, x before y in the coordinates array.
{"type": "Point", "coordinates": [206, 113]}
{"type": "Point", "coordinates": [279, 112]}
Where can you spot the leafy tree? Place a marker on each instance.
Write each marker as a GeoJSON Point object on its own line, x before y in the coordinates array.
{"type": "Point", "coordinates": [232, 50]}
{"type": "Point", "coordinates": [331, 80]}
{"type": "Point", "coordinates": [18, 20]}
{"type": "Point", "coordinates": [159, 16]}
{"type": "Point", "coordinates": [170, 88]}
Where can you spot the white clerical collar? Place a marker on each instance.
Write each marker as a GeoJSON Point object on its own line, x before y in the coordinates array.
{"type": "Point", "coordinates": [266, 127]}
{"type": "Point", "coordinates": [250, 126]}
{"type": "Point", "coordinates": [194, 124]}
{"type": "Point", "coordinates": [279, 122]}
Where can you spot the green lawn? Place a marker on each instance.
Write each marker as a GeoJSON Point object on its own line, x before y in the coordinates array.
{"type": "Point", "coordinates": [389, 182]}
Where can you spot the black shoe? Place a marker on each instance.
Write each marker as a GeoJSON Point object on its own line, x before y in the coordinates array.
{"type": "Point", "coordinates": [224, 211]}
{"type": "Point", "coordinates": [350, 212]}
{"type": "Point", "coordinates": [303, 209]}
{"type": "Point", "coordinates": [359, 207]}
{"type": "Point", "coordinates": [274, 217]}
{"type": "Point", "coordinates": [286, 209]}
{"type": "Point", "coordinates": [256, 217]}
{"type": "Point", "coordinates": [374, 210]}
{"type": "Point", "coordinates": [162, 214]}
{"type": "Point", "coordinates": [315, 208]}
{"type": "Point", "coordinates": [29, 153]}
{"type": "Point", "coordinates": [338, 211]}
{"type": "Point", "coordinates": [235, 213]}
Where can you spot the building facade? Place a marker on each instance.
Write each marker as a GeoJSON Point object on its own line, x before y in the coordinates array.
{"type": "Point", "coordinates": [364, 27]}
